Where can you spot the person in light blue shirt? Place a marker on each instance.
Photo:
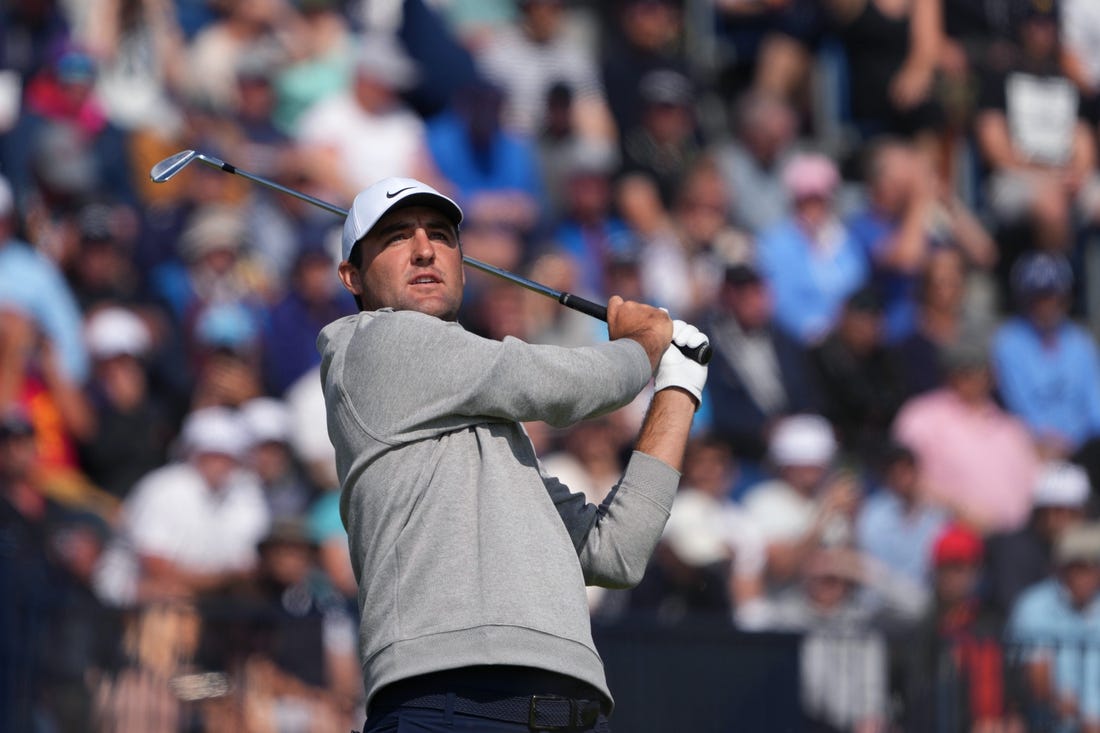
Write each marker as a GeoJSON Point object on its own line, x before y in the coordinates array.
{"type": "Point", "coordinates": [31, 283]}
{"type": "Point", "coordinates": [1055, 626]}
{"type": "Point", "coordinates": [1047, 367]}
{"type": "Point", "coordinates": [810, 260]}
{"type": "Point", "coordinates": [894, 526]}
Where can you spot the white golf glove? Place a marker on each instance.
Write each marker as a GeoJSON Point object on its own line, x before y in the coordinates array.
{"type": "Point", "coordinates": [675, 369]}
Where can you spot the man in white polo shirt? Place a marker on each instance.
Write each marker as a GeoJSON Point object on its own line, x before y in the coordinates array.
{"type": "Point", "coordinates": [193, 526]}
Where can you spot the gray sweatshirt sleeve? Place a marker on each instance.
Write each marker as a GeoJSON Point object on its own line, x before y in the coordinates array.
{"type": "Point", "coordinates": [615, 540]}
{"type": "Point", "coordinates": [421, 376]}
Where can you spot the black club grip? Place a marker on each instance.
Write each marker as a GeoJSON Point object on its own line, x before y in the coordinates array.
{"type": "Point", "coordinates": [700, 354]}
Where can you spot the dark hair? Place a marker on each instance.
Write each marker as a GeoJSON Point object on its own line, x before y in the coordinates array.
{"type": "Point", "coordinates": [355, 259]}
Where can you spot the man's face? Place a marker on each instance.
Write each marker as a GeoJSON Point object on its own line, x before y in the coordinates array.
{"type": "Point", "coordinates": [1082, 581]}
{"type": "Point", "coordinates": [411, 260]}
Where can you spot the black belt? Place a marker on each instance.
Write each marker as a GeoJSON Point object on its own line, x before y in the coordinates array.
{"type": "Point", "coordinates": [499, 693]}
{"type": "Point", "coordinates": [538, 712]}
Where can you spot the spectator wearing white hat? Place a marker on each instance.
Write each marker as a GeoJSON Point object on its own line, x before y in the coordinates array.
{"type": "Point", "coordinates": [1016, 560]}
{"type": "Point", "coordinates": [267, 420]}
{"type": "Point", "coordinates": [132, 424]}
{"type": "Point", "coordinates": [807, 504]}
{"type": "Point", "coordinates": [357, 137]}
{"type": "Point", "coordinates": [191, 527]}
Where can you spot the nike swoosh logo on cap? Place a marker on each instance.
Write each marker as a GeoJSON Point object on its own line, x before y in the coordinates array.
{"type": "Point", "coordinates": [391, 194]}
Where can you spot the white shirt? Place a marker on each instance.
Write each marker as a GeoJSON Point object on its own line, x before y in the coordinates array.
{"type": "Point", "coordinates": [784, 515]}
{"type": "Point", "coordinates": [526, 71]}
{"type": "Point", "coordinates": [174, 515]}
{"type": "Point", "coordinates": [370, 146]}
{"type": "Point", "coordinates": [702, 530]}
{"type": "Point", "coordinates": [1081, 34]}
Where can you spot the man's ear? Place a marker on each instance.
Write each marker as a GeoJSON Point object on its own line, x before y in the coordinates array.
{"type": "Point", "coordinates": [349, 277]}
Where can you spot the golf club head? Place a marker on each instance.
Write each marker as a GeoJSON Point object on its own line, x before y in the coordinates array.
{"type": "Point", "coordinates": [171, 165]}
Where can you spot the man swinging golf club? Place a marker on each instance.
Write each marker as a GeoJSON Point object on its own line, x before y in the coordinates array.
{"type": "Point", "coordinates": [471, 563]}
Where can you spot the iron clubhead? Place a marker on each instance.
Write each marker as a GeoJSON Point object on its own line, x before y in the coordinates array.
{"type": "Point", "coordinates": [172, 165]}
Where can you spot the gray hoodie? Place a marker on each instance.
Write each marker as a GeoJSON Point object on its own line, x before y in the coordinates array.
{"type": "Point", "coordinates": [465, 553]}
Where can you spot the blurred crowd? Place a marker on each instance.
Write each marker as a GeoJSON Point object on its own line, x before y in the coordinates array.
{"type": "Point", "coordinates": [882, 212]}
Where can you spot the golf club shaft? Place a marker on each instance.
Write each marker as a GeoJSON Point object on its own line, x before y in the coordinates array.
{"type": "Point", "coordinates": [700, 354]}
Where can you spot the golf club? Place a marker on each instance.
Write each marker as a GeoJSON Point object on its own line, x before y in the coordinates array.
{"type": "Point", "coordinates": [173, 164]}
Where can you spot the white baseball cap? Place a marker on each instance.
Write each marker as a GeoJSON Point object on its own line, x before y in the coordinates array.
{"type": "Point", "coordinates": [375, 202]}
{"type": "Point", "coordinates": [802, 440]}
{"type": "Point", "coordinates": [267, 420]}
{"type": "Point", "coordinates": [116, 331]}
{"type": "Point", "coordinates": [214, 430]}
{"type": "Point", "coordinates": [1061, 484]}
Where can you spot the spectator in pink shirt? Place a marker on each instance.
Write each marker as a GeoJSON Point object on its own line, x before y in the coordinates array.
{"type": "Point", "coordinates": [976, 459]}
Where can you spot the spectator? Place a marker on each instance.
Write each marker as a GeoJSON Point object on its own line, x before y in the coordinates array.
{"type": "Point", "coordinates": [312, 300]}
{"type": "Point", "coordinates": [320, 53]}
{"type": "Point", "coordinates": [664, 144]}
{"type": "Point", "coordinates": [588, 461]}
{"type": "Point", "coordinates": [1017, 560]}
{"type": "Point", "coordinates": [1079, 26]}
{"type": "Point", "coordinates": [105, 272]}
{"type": "Point", "coordinates": [940, 292]}
{"type": "Point", "coordinates": [589, 230]}
{"type": "Point", "coordinates": [843, 659]}
{"type": "Point", "coordinates": [753, 161]}
{"type": "Point", "coordinates": [758, 372]}
{"type": "Point", "coordinates": [227, 355]}
{"type": "Point", "coordinates": [806, 505]}
{"type": "Point", "coordinates": [527, 58]}
{"type": "Point", "coordinates": [139, 48]}
{"type": "Point", "coordinates": [132, 424]}
{"type": "Point", "coordinates": [25, 514]}
{"type": "Point", "coordinates": [295, 653]}
{"type": "Point", "coordinates": [267, 422]}
{"type": "Point", "coordinates": [1048, 368]}
{"type": "Point", "coordinates": [905, 219]}
{"type": "Point", "coordinates": [702, 220]}
{"type": "Point", "coordinates": [215, 266]}
{"type": "Point", "coordinates": [190, 527]}
{"type": "Point", "coordinates": [774, 44]}
{"type": "Point", "coordinates": [892, 51]}
{"type": "Point", "coordinates": [494, 171]}
{"type": "Point", "coordinates": [356, 137]}
{"type": "Point", "coordinates": [895, 525]}
{"type": "Point", "coordinates": [857, 376]}
{"type": "Point", "coordinates": [976, 460]}
{"type": "Point", "coordinates": [810, 259]}
{"type": "Point", "coordinates": [63, 147]}
{"type": "Point", "coordinates": [1041, 154]}
{"type": "Point", "coordinates": [214, 51]}
{"type": "Point", "coordinates": [32, 281]}
{"type": "Point", "coordinates": [1055, 622]}
{"type": "Point", "coordinates": [32, 381]}
{"type": "Point", "coordinates": [953, 662]}
{"type": "Point", "coordinates": [647, 37]}
{"type": "Point", "coordinates": [707, 531]}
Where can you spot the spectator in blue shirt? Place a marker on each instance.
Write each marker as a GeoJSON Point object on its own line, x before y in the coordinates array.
{"type": "Point", "coordinates": [1048, 368]}
{"type": "Point", "coordinates": [810, 259]}
{"type": "Point", "coordinates": [33, 284]}
{"type": "Point", "coordinates": [495, 171]}
{"type": "Point", "coordinates": [1057, 624]}
{"type": "Point", "coordinates": [894, 525]}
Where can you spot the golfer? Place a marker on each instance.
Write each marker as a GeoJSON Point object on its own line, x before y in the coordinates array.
{"type": "Point", "coordinates": [471, 563]}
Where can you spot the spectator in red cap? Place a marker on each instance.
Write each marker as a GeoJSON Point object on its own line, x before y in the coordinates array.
{"type": "Point", "coordinates": [953, 662]}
